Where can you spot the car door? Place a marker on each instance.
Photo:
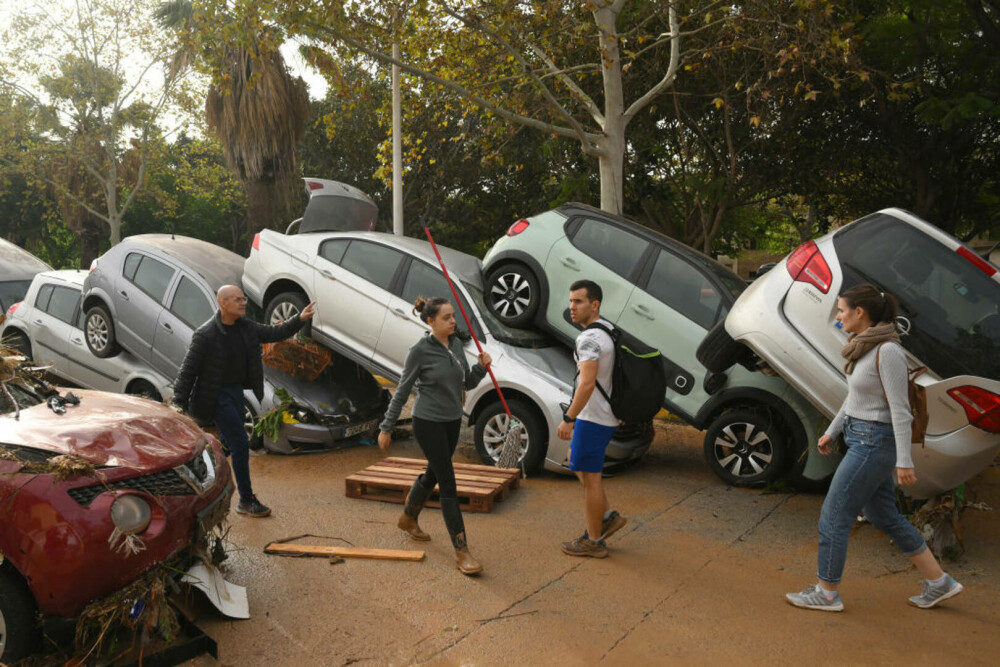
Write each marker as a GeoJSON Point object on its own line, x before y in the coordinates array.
{"type": "Point", "coordinates": [352, 282]}
{"type": "Point", "coordinates": [188, 307]}
{"type": "Point", "coordinates": [139, 296]}
{"type": "Point", "coordinates": [87, 370]}
{"type": "Point", "coordinates": [403, 328]}
{"type": "Point", "coordinates": [672, 311]}
{"type": "Point", "coordinates": [52, 319]}
{"type": "Point", "coordinates": [593, 249]}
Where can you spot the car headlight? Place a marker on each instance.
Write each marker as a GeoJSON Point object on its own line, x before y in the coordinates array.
{"type": "Point", "coordinates": [131, 514]}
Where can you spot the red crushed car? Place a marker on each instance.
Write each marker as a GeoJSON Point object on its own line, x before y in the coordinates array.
{"type": "Point", "coordinates": [155, 486]}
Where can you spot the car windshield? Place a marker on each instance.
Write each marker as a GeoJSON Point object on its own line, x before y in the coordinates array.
{"type": "Point", "coordinates": [517, 337]}
{"type": "Point", "coordinates": [12, 394]}
{"type": "Point", "coordinates": [950, 307]}
{"type": "Point", "coordinates": [12, 291]}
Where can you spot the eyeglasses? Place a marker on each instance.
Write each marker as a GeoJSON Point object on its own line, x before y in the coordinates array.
{"type": "Point", "coordinates": [237, 299]}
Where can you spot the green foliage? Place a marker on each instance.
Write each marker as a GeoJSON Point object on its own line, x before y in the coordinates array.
{"type": "Point", "coordinates": [269, 423]}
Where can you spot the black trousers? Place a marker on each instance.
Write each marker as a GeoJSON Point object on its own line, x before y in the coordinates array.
{"type": "Point", "coordinates": [438, 441]}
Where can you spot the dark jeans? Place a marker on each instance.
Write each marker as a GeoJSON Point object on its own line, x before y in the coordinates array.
{"type": "Point", "coordinates": [229, 419]}
{"type": "Point", "coordinates": [438, 441]}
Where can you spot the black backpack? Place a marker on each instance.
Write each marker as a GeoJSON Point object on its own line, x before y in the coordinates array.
{"type": "Point", "coordinates": [638, 379]}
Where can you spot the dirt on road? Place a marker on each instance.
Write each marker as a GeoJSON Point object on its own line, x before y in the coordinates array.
{"type": "Point", "coordinates": [697, 576]}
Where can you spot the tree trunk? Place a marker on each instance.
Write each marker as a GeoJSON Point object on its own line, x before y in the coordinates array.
{"type": "Point", "coordinates": [611, 157]}
{"type": "Point", "coordinates": [90, 246]}
{"type": "Point", "coordinates": [260, 206]}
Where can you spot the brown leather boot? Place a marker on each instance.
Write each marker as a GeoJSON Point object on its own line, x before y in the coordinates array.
{"type": "Point", "coordinates": [410, 525]}
{"type": "Point", "coordinates": [463, 559]}
{"type": "Point", "coordinates": [415, 500]}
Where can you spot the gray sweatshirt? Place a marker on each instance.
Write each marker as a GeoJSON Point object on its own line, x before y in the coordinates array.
{"type": "Point", "coordinates": [440, 376]}
{"type": "Point", "coordinates": [866, 401]}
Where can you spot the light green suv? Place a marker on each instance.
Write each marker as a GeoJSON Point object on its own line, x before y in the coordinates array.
{"type": "Point", "coordinates": [758, 427]}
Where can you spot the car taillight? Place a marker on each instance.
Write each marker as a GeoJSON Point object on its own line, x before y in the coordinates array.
{"type": "Point", "coordinates": [93, 264]}
{"type": "Point", "coordinates": [256, 241]}
{"type": "Point", "coordinates": [980, 263]}
{"type": "Point", "coordinates": [313, 185]}
{"type": "Point", "coordinates": [982, 407]}
{"type": "Point", "coordinates": [13, 307]}
{"type": "Point", "coordinates": [517, 227]}
{"type": "Point", "coordinates": [806, 264]}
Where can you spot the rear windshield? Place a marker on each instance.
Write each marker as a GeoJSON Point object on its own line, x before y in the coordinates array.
{"type": "Point", "coordinates": [12, 291]}
{"type": "Point", "coordinates": [326, 213]}
{"type": "Point", "coordinates": [952, 307]}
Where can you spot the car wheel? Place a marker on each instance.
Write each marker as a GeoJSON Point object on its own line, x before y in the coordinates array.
{"type": "Point", "coordinates": [99, 330]}
{"type": "Point", "coordinates": [284, 307]}
{"type": "Point", "coordinates": [19, 631]}
{"type": "Point", "coordinates": [745, 447]}
{"type": "Point", "coordinates": [491, 428]}
{"type": "Point", "coordinates": [144, 389]}
{"type": "Point", "coordinates": [512, 294]}
{"type": "Point", "coordinates": [249, 421]}
{"type": "Point", "coordinates": [18, 341]}
{"type": "Point", "coordinates": [718, 351]}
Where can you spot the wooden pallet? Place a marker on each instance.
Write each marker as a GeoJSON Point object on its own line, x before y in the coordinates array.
{"type": "Point", "coordinates": [479, 486]}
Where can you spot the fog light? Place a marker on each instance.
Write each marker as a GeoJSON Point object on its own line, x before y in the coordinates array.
{"type": "Point", "coordinates": [130, 514]}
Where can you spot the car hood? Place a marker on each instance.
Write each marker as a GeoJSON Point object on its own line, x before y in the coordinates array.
{"type": "Point", "coordinates": [555, 363]}
{"type": "Point", "coordinates": [107, 430]}
{"type": "Point", "coordinates": [335, 392]}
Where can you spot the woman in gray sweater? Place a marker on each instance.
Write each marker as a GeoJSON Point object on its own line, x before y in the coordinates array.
{"type": "Point", "coordinates": [436, 365]}
{"type": "Point", "coordinates": [875, 420]}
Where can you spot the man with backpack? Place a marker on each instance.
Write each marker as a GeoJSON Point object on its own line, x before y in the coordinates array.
{"type": "Point", "coordinates": [589, 420]}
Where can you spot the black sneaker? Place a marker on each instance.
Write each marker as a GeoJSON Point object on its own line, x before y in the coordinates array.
{"type": "Point", "coordinates": [254, 508]}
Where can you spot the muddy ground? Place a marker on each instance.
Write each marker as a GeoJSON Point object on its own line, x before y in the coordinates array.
{"type": "Point", "coordinates": [697, 576]}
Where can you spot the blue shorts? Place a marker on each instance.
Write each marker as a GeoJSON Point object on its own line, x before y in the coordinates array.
{"type": "Point", "coordinates": [586, 450]}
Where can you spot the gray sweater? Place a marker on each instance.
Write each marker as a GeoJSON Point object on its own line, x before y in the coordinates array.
{"type": "Point", "coordinates": [865, 399]}
{"type": "Point", "coordinates": [440, 376]}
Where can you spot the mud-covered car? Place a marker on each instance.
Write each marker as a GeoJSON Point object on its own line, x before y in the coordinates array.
{"type": "Point", "coordinates": [93, 498]}
{"type": "Point", "coordinates": [949, 322]}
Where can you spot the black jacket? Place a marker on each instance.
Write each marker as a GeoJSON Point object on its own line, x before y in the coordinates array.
{"type": "Point", "coordinates": [197, 386]}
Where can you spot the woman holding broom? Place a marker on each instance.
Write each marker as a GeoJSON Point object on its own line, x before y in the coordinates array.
{"type": "Point", "coordinates": [436, 365]}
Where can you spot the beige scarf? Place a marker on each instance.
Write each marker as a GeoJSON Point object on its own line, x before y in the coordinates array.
{"type": "Point", "coordinates": [858, 345]}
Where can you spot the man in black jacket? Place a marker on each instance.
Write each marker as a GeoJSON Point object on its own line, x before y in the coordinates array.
{"type": "Point", "coordinates": [223, 359]}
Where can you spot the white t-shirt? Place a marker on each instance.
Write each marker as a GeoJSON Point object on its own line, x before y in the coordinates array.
{"type": "Point", "coordinates": [596, 345]}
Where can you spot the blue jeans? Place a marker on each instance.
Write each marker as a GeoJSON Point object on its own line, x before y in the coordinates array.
{"type": "Point", "coordinates": [229, 420]}
{"type": "Point", "coordinates": [864, 481]}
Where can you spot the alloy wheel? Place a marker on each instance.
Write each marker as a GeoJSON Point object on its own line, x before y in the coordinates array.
{"type": "Point", "coordinates": [97, 332]}
{"type": "Point", "coordinates": [510, 294]}
{"type": "Point", "coordinates": [493, 436]}
{"type": "Point", "coordinates": [283, 312]}
{"type": "Point", "coordinates": [743, 450]}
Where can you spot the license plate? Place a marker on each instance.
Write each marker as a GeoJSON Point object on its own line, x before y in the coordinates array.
{"type": "Point", "coordinates": [360, 428]}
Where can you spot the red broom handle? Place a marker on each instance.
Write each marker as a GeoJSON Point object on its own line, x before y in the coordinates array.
{"type": "Point", "coordinates": [465, 316]}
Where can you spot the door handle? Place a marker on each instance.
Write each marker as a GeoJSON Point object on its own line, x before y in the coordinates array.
{"type": "Point", "coordinates": [326, 274]}
{"type": "Point", "coordinates": [642, 310]}
{"type": "Point", "coordinates": [78, 341]}
{"type": "Point", "coordinates": [124, 294]}
{"type": "Point", "coordinates": [569, 263]}
{"type": "Point", "coordinates": [399, 312]}
{"type": "Point", "coordinates": [166, 325]}
{"type": "Point", "coordinates": [39, 322]}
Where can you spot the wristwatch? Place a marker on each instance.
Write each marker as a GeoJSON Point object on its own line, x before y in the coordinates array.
{"type": "Point", "coordinates": [568, 419]}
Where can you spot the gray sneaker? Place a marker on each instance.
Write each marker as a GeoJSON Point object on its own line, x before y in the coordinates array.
{"type": "Point", "coordinates": [815, 597]}
{"type": "Point", "coordinates": [581, 546]}
{"type": "Point", "coordinates": [934, 594]}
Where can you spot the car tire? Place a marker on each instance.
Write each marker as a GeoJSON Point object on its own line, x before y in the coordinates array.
{"type": "Point", "coordinates": [746, 447]}
{"type": "Point", "coordinates": [144, 389]}
{"type": "Point", "coordinates": [19, 630]}
{"type": "Point", "coordinates": [506, 287]}
{"type": "Point", "coordinates": [255, 439]}
{"type": "Point", "coordinates": [18, 341]}
{"type": "Point", "coordinates": [99, 332]}
{"type": "Point", "coordinates": [490, 429]}
{"type": "Point", "coordinates": [718, 351]}
{"type": "Point", "coordinates": [286, 306]}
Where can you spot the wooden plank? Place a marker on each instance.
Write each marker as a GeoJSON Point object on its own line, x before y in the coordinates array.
{"type": "Point", "coordinates": [343, 552]}
{"type": "Point", "coordinates": [495, 479]}
{"type": "Point", "coordinates": [464, 466]}
{"type": "Point", "coordinates": [405, 486]}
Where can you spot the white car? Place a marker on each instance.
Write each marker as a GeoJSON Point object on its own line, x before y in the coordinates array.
{"type": "Point", "coordinates": [365, 284]}
{"type": "Point", "coordinates": [47, 327]}
{"type": "Point", "coordinates": [949, 321]}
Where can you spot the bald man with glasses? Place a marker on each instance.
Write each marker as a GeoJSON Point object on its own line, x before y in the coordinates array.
{"type": "Point", "coordinates": [224, 358]}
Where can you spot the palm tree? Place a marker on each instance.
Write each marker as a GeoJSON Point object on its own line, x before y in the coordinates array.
{"type": "Point", "coordinates": [255, 107]}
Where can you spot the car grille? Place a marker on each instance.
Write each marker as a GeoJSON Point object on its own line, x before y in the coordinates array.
{"type": "Point", "coordinates": [164, 483]}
